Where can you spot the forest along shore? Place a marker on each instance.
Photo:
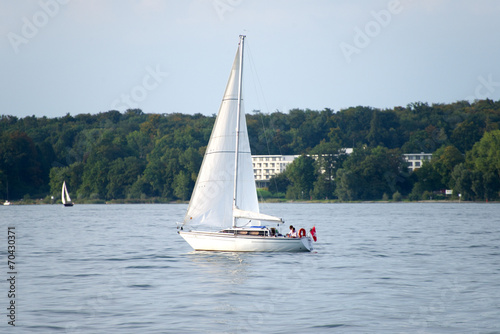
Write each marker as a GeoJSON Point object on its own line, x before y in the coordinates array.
{"type": "Point", "coordinates": [139, 157]}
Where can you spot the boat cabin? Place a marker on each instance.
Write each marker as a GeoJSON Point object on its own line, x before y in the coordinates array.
{"type": "Point", "coordinates": [262, 231]}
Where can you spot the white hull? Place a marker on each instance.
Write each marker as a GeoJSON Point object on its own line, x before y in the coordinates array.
{"type": "Point", "coordinates": [226, 242]}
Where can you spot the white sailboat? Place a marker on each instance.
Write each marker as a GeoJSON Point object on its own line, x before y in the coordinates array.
{"type": "Point", "coordinates": [225, 195]}
{"type": "Point", "coordinates": [66, 200]}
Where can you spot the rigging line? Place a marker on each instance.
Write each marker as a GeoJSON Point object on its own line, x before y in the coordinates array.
{"type": "Point", "coordinates": [254, 72]}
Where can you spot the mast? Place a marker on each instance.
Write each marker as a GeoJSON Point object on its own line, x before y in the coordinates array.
{"type": "Point", "coordinates": [236, 151]}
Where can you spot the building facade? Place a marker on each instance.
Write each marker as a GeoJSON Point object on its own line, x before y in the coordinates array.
{"type": "Point", "coordinates": [266, 166]}
{"type": "Point", "coordinates": [416, 160]}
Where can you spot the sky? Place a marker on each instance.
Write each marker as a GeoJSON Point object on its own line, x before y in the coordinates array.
{"type": "Point", "coordinates": [166, 56]}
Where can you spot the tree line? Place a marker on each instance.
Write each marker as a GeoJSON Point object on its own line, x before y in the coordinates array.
{"type": "Point", "coordinates": [134, 156]}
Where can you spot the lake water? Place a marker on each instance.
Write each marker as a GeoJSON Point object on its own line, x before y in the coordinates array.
{"type": "Point", "coordinates": [376, 268]}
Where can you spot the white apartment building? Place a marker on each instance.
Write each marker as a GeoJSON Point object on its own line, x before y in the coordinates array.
{"type": "Point", "coordinates": [266, 166]}
{"type": "Point", "coordinates": [416, 160]}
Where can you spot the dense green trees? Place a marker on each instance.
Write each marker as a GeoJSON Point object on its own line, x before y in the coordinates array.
{"type": "Point", "coordinates": [478, 177]}
{"type": "Point", "coordinates": [369, 173]}
{"type": "Point", "coordinates": [133, 155]}
{"type": "Point", "coordinates": [302, 175]}
{"type": "Point", "coordinates": [20, 167]}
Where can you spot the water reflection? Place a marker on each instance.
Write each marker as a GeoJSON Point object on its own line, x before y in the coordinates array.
{"type": "Point", "coordinates": [221, 281]}
{"type": "Point", "coordinates": [223, 267]}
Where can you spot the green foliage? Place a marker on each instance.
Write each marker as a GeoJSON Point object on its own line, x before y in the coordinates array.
{"type": "Point", "coordinates": [121, 176]}
{"type": "Point", "coordinates": [324, 188]}
{"type": "Point", "coordinates": [466, 134]}
{"type": "Point", "coordinates": [475, 176]}
{"type": "Point", "coordinates": [397, 197]}
{"type": "Point", "coordinates": [302, 174]}
{"type": "Point", "coordinates": [264, 194]}
{"type": "Point", "coordinates": [485, 155]}
{"type": "Point", "coordinates": [428, 178]}
{"type": "Point", "coordinates": [478, 178]}
{"type": "Point", "coordinates": [181, 185]}
{"type": "Point", "coordinates": [369, 173]}
{"type": "Point", "coordinates": [443, 162]}
{"type": "Point", "coordinates": [427, 195]}
{"type": "Point", "coordinates": [279, 183]}
{"type": "Point", "coordinates": [436, 175]}
{"type": "Point", "coordinates": [19, 165]}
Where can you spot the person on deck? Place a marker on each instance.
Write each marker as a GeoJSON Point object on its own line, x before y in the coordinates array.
{"type": "Point", "coordinates": [293, 233]}
{"type": "Point", "coordinates": [290, 232]}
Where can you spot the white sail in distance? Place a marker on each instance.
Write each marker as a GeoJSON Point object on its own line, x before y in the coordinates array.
{"type": "Point", "coordinates": [64, 194]}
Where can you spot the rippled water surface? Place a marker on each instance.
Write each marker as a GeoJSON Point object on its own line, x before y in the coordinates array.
{"type": "Point", "coordinates": [376, 268]}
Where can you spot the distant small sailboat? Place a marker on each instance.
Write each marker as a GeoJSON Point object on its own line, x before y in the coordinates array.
{"type": "Point", "coordinates": [6, 202]}
{"type": "Point", "coordinates": [66, 200]}
{"type": "Point", "coordinates": [225, 194]}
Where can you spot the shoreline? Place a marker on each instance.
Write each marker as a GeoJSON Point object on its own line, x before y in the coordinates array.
{"type": "Point", "coordinates": [271, 201]}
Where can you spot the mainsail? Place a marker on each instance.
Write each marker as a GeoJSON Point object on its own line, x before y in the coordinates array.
{"type": "Point", "coordinates": [64, 194]}
{"type": "Point", "coordinates": [212, 199]}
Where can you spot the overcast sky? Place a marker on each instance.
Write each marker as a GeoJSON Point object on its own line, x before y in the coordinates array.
{"type": "Point", "coordinates": [90, 56]}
